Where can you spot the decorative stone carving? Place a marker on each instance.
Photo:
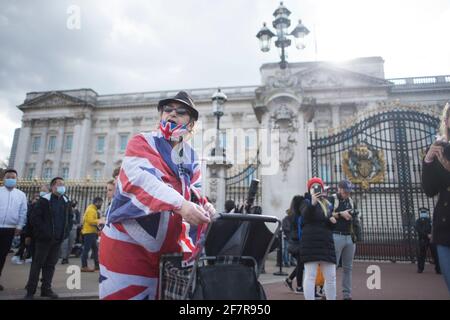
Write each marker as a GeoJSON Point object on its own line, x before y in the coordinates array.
{"type": "Point", "coordinates": [283, 78]}
{"type": "Point", "coordinates": [113, 122]}
{"type": "Point", "coordinates": [285, 120]}
{"type": "Point", "coordinates": [27, 123]}
{"type": "Point", "coordinates": [321, 80]}
{"type": "Point", "coordinates": [213, 190]}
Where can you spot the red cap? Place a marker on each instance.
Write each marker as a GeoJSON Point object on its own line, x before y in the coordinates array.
{"type": "Point", "coordinates": [315, 180]}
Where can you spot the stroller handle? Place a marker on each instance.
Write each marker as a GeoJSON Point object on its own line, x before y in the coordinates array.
{"type": "Point", "coordinates": [246, 217]}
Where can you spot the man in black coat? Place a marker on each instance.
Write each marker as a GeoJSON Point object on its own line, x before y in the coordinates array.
{"type": "Point", "coordinates": [423, 229]}
{"type": "Point", "coordinates": [51, 221]}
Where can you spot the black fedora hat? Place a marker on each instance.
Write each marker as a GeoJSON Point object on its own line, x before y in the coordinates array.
{"type": "Point", "coordinates": [184, 98]}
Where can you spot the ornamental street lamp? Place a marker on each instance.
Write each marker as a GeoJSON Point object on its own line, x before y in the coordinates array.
{"type": "Point", "coordinates": [281, 25]}
{"type": "Point", "coordinates": [218, 101]}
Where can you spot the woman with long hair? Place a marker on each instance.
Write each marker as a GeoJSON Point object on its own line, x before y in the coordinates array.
{"type": "Point", "coordinates": [436, 181]}
{"type": "Point", "coordinates": [295, 219]}
{"type": "Point", "coordinates": [317, 244]}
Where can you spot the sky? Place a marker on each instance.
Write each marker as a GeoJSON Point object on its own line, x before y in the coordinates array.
{"type": "Point", "coordinates": [150, 45]}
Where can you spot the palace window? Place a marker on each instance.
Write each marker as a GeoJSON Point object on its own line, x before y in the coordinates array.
{"type": "Point", "coordinates": [65, 173]}
{"type": "Point", "coordinates": [68, 143]}
{"type": "Point", "coordinates": [51, 144]}
{"type": "Point", "coordinates": [47, 174]}
{"type": "Point", "coordinates": [100, 144]}
{"type": "Point", "coordinates": [36, 144]}
{"type": "Point", "coordinates": [123, 141]}
{"type": "Point", "coordinates": [31, 173]}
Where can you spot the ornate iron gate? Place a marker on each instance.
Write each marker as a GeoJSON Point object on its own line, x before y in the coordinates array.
{"type": "Point", "coordinates": [238, 183]}
{"type": "Point", "coordinates": [382, 155]}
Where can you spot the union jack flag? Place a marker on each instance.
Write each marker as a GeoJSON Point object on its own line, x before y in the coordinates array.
{"type": "Point", "coordinates": [154, 180]}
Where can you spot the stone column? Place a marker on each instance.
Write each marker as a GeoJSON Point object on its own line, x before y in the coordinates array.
{"type": "Point", "coordinates": [215, 187]}
{"type": "Point", "coordinates": [285, 174]}
{"type": "Point", "coordinates": [43, 147]}
{"type": "Point", "coordinates": [76, 145]}
{"type": "Point", "coordinates": [136, 125]}
{"type": "Point", "coordinates": [23, 148]}
{"type": "Point", "coordinates": [84, 146]}
{"type": "Point", "coordinates": [283, 154]}
{"type": "Point", "coordinates": [59, 146]}
{"type": "Point", "coordinates": [335, 118]}
{"type": "Point", "coordinates": [112, 146]}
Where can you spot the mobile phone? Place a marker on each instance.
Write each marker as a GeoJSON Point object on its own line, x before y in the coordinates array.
{"type": "Point", "coordinates": [316, 189]}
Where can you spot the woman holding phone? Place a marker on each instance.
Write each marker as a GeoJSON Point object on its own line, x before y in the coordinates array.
{"type": "Point", "coordinates": [317, 245]}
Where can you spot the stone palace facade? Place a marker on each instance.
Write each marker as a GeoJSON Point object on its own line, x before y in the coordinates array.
{"type": "Point", "coordinates": [80, 133]}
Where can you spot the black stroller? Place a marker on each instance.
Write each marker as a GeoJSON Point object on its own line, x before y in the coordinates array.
{"type": "Point", "coordinates": [235, 247]}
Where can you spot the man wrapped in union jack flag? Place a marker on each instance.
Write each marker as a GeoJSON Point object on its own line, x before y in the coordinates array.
{"type": "Point", "coordinates": [151, 211]}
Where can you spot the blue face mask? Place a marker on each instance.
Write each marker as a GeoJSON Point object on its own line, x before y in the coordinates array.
{"type": "Point", "coordinates": [10, 183]}
{"type": "Point", "coordinates": [424, 215]}
{"type": "Point", "coordinates": [42, 193]}
{"type": "Point", "coordinates": [61, 190]}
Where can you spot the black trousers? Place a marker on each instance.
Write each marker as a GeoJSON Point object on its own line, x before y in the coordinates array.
{"type": "Point", "coordinates": [424, 244]}
{"type": "Point", "coordinates": [298, 271]}
{"type": "Point", "coordinates": [45, 257]}
{"type": "Point", "coordinates": [6, 239]}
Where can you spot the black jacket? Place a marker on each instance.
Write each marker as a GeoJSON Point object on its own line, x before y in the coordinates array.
{"type": "Point", "coordinates": [317, 243]}
{"type": "Point", "coordinates": [423, 228]}
{"type": "Point", "coordinates": [436, 180]}
{"type": "Point", "coordinates": [42, 219]}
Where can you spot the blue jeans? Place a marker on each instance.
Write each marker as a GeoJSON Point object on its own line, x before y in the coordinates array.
{"type": "Point", "coordinates": [444, 262]}
{"type": "Point", "coordinates": [345, 248]}
{"type": "Point", "coordinates": [89, 242]}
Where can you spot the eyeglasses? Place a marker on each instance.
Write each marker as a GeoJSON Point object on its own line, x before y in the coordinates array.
{"type": "Point", "coordinates": [181, 111]}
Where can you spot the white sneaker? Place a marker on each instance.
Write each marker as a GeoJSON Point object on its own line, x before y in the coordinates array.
{"type": "Point", "coordinates": [29, 260]}
{"type": "Point", "coordinates": [16, 260]}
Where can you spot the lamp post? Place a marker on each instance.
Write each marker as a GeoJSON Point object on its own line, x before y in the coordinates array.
{"type": "Point", "coordinates": [281, 25]}
{"type": "Point", "coordinates": [218, 101]}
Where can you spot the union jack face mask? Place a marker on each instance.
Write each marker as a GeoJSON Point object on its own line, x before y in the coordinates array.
{"type": "Point", "coordinates": [172, 131]}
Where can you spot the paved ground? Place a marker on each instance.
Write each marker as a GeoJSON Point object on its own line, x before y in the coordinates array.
{"type": "Point", "coordinates": [398, 281]}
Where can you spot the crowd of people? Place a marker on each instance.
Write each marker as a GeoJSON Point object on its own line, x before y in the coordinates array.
{"type": "Point", "coordinates": [155, 206]}
{"type": "Point", "coordinates": [50, 227]}
{"type": "Point", "coordinates": [321, 230]}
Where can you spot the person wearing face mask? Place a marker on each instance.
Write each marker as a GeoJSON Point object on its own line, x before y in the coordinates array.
{"type": "Point", "coordinates": [13, 214]}
{"type": "Point", "coordinates": [423, 229]}
{"type": "Point", "coordinates": [158, 198]}
{"type": "Point", "coordinates": [91, 222]}
{"type": "Point", "coordinates": [317, 244]}
{"type": "Point", "coordinates": [51, 221]}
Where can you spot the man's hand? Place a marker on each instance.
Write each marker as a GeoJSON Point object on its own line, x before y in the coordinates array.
{"type": "Point", "coordinates": [17, 232]}
{"type": "Point", "coordinates": [193, 213]}
{"type": "Point", "coordinates": [209, 209]}
{"type": "Point", "coordinates": [346, 215]}
{"type": "Point", "coordinates": [333, 220]}
{"type": "Point", "coordinates": [101, 221]}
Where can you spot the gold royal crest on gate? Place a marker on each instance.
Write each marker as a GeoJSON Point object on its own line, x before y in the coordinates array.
{"type": "Point", "coordinates": [364, 165]}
